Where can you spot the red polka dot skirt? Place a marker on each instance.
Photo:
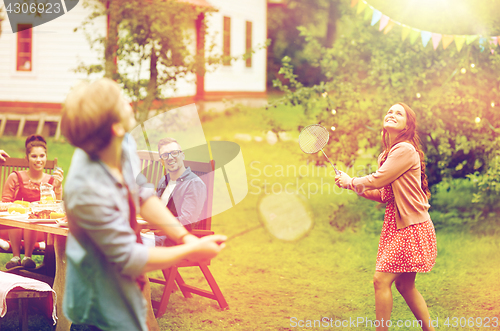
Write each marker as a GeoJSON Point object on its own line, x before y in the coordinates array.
{"type": "Point", "coordinates": [411, 249]}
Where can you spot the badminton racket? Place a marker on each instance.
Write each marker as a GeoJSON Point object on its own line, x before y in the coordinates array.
{"type": "Point", "coordinates": [285, 216]}
{"type": "Point", "coordinates": [313, 138]}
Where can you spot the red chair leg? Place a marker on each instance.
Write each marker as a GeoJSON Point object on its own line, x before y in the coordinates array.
{"type": "Point", "coordinates": [213, 285]}
{"type": "Point", "coordinates": [182, 285]}
{"type": "Point", "coordinates": [169, 275]}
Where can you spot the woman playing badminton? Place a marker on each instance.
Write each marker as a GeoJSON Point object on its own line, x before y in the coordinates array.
{"type": "Point", "coordinates": [408, 241]}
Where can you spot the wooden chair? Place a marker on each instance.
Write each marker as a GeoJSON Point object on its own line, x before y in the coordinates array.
{"type": "Point", "coordinates": [19, 164]}
{"type": "Point", "coordinates": [153, 170]}
{"type": "Point", "coordinates": [151, 166]}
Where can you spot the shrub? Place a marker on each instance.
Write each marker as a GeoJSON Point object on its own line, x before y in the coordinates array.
{"type": "Point", "coordinates": [452, 207]}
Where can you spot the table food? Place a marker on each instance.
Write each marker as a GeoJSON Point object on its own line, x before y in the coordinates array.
{"type": "Point", "coordinates": [17, 209]}
{"type": "Point", "coordinates": [55, 215]}
{"type": "Point", "coordinates": [46, 214]}
{"type": "Point", "coordinates": [35, 212]}
{"type": "Point", "coordinates": [56, 205]}
{"type": "Point", "coordinates": [42, 214]}
{"type": "Point", "coordinates": [4, 207]}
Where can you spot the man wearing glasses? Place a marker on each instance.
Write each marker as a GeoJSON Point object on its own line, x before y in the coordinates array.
{"type": "Point", "coordinates": [182, 191]}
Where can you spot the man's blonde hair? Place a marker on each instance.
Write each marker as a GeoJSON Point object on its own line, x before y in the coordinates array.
{"type": "Point", "coordinates": [166, 141]}
{"type": "Point", "coordinates": [89, 112]}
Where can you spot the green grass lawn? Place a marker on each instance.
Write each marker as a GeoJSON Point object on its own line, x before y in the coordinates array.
{"type": "Point", "coordinates": [269, 283]}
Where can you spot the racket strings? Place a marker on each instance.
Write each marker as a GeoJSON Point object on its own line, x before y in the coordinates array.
{"type": "Point", "coordinates": [313, 138]}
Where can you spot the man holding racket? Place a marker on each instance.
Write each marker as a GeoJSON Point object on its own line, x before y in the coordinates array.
{"type": "Point", "coordinates": [106, 261]}
{"type": "Point", "coordinates": [408, 242]}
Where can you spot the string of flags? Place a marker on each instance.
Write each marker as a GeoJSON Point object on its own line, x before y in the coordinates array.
{"type": "Point", "coordinates": [386, 24]}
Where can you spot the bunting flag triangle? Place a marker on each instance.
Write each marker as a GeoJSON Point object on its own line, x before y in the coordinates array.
{"type": "Point", "coordinates": [361, 7]}
{"type": "Point", "coordinates": [459, 42]}
{"type": "Point", "coordinates": [386, 24]}
{"type": "Point", "coordinates": [389, 26]}
{"type": "Point", "coordinates": [447, 40]}
{"type": "Point", "coordinates": [493, 43]}
{"type": "Point", "coordinates": [426, 36]}
{"type": "Point", "coordinates": [482, 42]}
{"type": "Point", "coordinates": [469, 39]}
{"type": "Point", "coordinates": [383, 22]}
{"type": "Point", "coordinates": [376, 16]}
{"type": "Point", "coordinates": [368, 13]}
{"type": "Point", "coordinates": [414, 35]}
{"type": "Point", "coordinates": [405, 32]}
{"type": "Point", "coordinates": [436, 38]}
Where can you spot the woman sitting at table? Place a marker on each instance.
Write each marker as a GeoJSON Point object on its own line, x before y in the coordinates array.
{"type": "Point", "coordinates": [25, 185]}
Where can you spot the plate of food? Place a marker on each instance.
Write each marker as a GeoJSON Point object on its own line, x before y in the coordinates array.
{"type": "Point", "coordinates": [45, 216]}
{"type": "Point", "coordinates": [17, 212]}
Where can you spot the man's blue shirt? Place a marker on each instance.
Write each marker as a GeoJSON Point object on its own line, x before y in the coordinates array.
{"type": "Point", "coordinates": [103, 257]}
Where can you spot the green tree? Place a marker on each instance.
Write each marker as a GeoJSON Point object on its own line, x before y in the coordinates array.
{"type": "Point", "coordinates": [319, 16]}
{"type": "Point", "coordinates": [456, 95]}
{"type": "Point", "coordinates": [148, 36]}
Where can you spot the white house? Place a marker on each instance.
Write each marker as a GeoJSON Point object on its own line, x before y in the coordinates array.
{"type": "Point", "coordinates": [37, 65]}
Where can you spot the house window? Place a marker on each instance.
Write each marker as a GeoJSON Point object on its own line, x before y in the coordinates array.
{"type": "Point", "coordinates": [249, 43]}
{"type": "Point", "coordinates": [24, 47]}
{"type": "Point", "coordinates": [226, 48]}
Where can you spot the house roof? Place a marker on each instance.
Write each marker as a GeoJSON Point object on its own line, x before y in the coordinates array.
{"type": "Point", "coordinates": [201, 3]}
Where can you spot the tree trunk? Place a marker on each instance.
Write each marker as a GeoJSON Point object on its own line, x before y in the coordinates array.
{"type": "Point", "coordinates": [331, 27]}
{"type": "Point", "coordinates": [110, 67]}
{"type": "Point", "coordinates": [152, 88]}
{"type": "Point", "coordinates": [200, 56]}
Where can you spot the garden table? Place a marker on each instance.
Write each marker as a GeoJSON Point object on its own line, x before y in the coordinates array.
{"type": "Point", "coordinates": [54, 258]}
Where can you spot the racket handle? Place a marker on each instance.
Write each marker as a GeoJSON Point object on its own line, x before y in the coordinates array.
{"type": "Point", "coordinates": [336, 170]}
